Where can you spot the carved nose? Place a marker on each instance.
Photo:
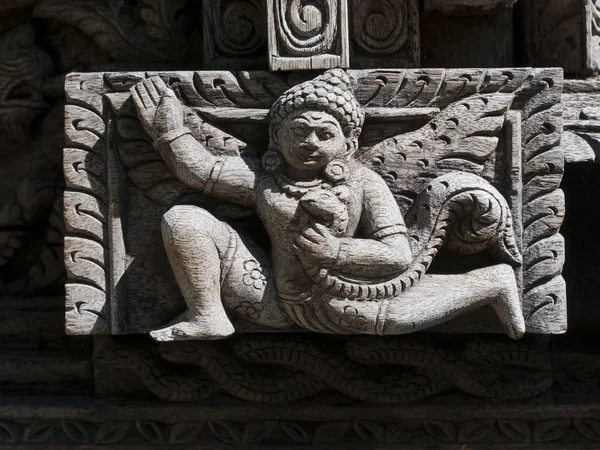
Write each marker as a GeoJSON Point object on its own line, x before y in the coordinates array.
{"type": "Point", "coordinates": [312, 140]}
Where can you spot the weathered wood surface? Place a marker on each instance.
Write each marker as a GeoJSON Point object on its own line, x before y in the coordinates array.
{"type": "Point", "coordinates": [537, 98]}
{"type": "Point", "coordinates": [308, 36]}
{"type": "Point", "coordinates": [564, 33]}
{"type": "Point", "coordinates": [235, 34]}
{"type": "Point", "coordinates": [581, 140]}
{"type": "Point", "coordinates": [384, 34]}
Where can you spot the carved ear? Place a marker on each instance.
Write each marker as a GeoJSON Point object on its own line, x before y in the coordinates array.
{"type": "Point", "coordinates": [351, 146]}
{"type": "Point", "coordinates": [274, 131]}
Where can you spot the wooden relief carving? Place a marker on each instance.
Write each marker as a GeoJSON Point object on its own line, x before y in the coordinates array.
{"type": "Point", "coordinates": [408, 369]}
{"type": "Point", "coordinates": [581, 140]}
{"type": "Point", "coordinates": [391, 200]}
{"type": "Point", "coordinates": [562, 33]}
{"type": "Point", "coordinates": [307, 35]}
{"type": "Point", "coordinates": [384, 33]}
{"type": "Point", "coordinates": [235, 34]}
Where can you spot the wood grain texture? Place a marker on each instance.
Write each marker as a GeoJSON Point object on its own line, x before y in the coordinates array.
{"type": "Point", "coordinates": [87, 249]}
{"type": "Point", "coordinates": [535, 94]}
{"type": "Point", "coordinates": [308, 36]}
{"type": "Point", "coordinates": [581, 140]}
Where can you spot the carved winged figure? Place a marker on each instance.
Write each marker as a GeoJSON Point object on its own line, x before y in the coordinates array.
{"type": "Point", "coordinates": [343, 258]}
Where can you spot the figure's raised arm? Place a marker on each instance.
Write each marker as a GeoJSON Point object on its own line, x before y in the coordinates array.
{"type": "Point", "coordinates": [162, 116]}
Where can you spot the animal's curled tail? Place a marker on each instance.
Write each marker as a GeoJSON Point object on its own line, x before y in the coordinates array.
{"type": "Point", "coordinates": [459, 210]}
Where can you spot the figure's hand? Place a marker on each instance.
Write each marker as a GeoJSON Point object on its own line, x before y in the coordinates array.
{"type": "Point", "coordinates": [158, 108]}
{"type": "Point", "coordinates": [317, 245]}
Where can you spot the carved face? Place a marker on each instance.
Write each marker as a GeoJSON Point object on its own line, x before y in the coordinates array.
{"type": "Point", "coordinates": [311, 139]}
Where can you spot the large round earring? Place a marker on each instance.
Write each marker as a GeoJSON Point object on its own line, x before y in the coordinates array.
{"type": "Point", "coordinates": [336, 171]}
{"type": "Point", "coordinates": [272, 161]}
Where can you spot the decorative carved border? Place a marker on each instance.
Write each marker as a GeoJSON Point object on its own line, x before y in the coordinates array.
{"type": "Point", "coordinates": [86, 209]}
{"type": "Point", "coordinates": [393, 93]}
{"type": "Point", "coordinates": [145, 425]}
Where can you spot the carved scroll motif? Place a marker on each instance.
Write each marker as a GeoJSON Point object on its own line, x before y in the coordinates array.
{"type": "Point", "coordinates": [385, 33]}
{"type": "Point", "coordinates": [307, 36]}
{"type": "Point", "coordinates": [235, 34]}
{"type": "Point", "coordinates": [409, 370]}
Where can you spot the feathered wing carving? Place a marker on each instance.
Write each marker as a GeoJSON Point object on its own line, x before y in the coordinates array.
{"type": "Point", "coordinates": [148, 171]}
{"type": "Point", "coordinates": [463, 136]}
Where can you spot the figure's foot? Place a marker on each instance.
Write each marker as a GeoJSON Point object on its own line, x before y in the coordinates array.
{"type": "Point", "coordinates": [187, 330]}
{"type": "Point", "coordinates": [508, 305]}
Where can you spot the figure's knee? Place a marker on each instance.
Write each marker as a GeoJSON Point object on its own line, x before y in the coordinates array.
{"type": "Point", "coordinates": [182, 220]}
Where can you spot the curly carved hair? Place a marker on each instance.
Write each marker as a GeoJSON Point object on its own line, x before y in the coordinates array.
{"type": "Point", "coordinates": [330, 92]}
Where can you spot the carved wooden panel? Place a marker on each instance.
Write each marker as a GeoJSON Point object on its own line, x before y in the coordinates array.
{"type": "Point", "coordinates": [474, 40]}
{"type": "Point", "coordinates": [384, 33]}
{"type": "Point", "coordinates": [235, 34]}
{"type": "Point", "coordinates": [563, 33]}
{"type": "Point", "coordinates": [308, 35]}
{"type": "Point", "coordinates": [581, 140]}
{"type": "Point", "coordinates": [118, 188]}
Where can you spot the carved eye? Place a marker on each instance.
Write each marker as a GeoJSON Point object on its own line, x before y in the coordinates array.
{"type": "Point", "coordinates": [299, 131]}
{"type": "Point", "coordinates": [325, 135]}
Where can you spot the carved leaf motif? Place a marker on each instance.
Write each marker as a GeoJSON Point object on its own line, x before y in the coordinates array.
{"type": "Point", "coordinates": [9, 433]}
{"type": "Point", "coordinates": [369, 431]}
{"type": "Point", "coordinates": [38, 433]}
{"type": "Point", "coordinates": [589, 428]}
{"type": "Point", "coordinates": [112, 432]}
{"type": "Point", "coordinates": [259, 431]}
{"type": "Point", "coordinates": [331, 432]}
{"type": "Point", "coordinates": [184, 432]}
{"type": "Point", "coordinates": [166, 23]}
{"type": "Point", "coordinates": [297, 432]}
{"type": "Point", "coordinates": [550, 430]}
{"type": "Point", "coordinates": [475, 430]}
{"type": "Point", "coordinates": [517, 430]}
{"type": "Point", "coordinates": [153, 432]}
{"type": "Point", "coordinates": [107, 23]}
{"type": "Point", "coordinates": [441, 430]}
{"type": "Point", "coordinates": [77, 431]}
{"type": "Point", "coordinates": [228, 432]}
{"type": "Point", "coordinates": [402, 432]}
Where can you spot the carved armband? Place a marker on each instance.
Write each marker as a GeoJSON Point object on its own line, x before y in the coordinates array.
{"type": "Point", "coordinates": [169, 137]}
{"type": "Point", "coordinates": [388, 231]}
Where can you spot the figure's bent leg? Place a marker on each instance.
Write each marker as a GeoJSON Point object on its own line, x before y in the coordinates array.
{"type": "Point", "coordinates": [196, 243]}
{"type": "Point", "coordinates": [434, 300]}
{"type": "Point", "coordinates": [439, 298]}
{"type": "Point", "coordinates": [249, 287]}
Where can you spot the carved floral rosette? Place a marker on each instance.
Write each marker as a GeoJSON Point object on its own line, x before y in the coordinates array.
{"type": "Point", "coordinates": [118, 187]}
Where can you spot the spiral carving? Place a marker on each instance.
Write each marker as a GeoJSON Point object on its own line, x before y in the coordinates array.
{"type": "Point", "coordinates": [241, 27]}
{"type": "Point", "coordinates": [380, 26]}
{"type": "Point", "coordinates": [306, 28]}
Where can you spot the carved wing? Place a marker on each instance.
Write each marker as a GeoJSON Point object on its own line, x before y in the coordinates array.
{"type": "Point", "coordinates": [147, 170]}
{"type": "Point", "coordinates": [464, 136]}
